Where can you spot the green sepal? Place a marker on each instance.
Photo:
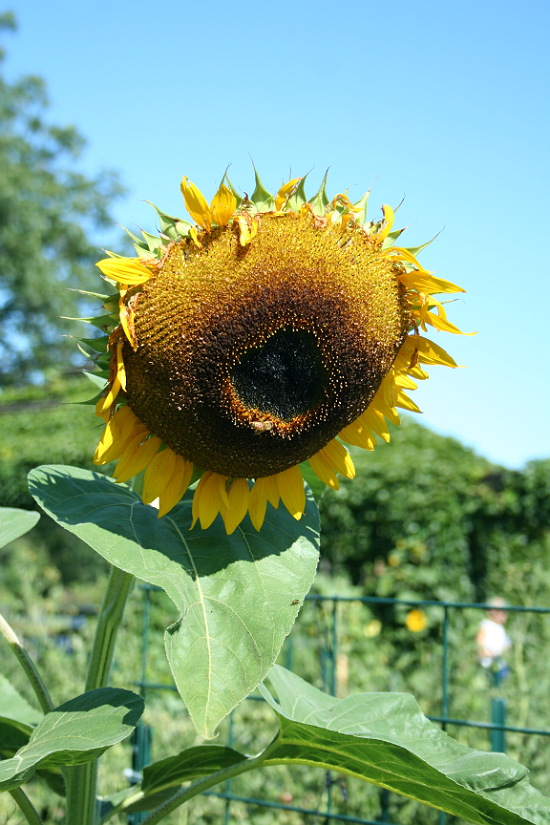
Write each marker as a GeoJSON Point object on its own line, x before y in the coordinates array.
{"type": "Point", "coordinates": [261, 198]}
{"type": "Point", "coordinates": [153, 242]}
{"type": "Point", "coordinates": [390, 239]}
{"type": "Point", "coordinates": [320, 200]}
{"type": "Point", "coordinates": [299, 197]}
{"type": "Point", "coordinates": [97, 344]}
{"type": "Point", "coordinates": [232, 189]}
{"type": "Point", "coordinates": [103, 298]}
{"type": "Point", "coordinates": [103, 322]}
{"type": "Point", "coordinates": [361, 204]}
{"type": "Point", "coordinates": [168, 224]}
{"type": "Point", "coordinates": [137, 241]}
{"type": "Point", "coordinates": [97, 380]}
{"type": "Point", "coordinates": [415, 250]}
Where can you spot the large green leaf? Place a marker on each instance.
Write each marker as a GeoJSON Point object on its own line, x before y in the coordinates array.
{"type": "Point", "coordinates": [14, 523]}
{"type": "Point", "coordinates": [190, 764]}
{"type": "Point", "coordinates": [238, 595]}
{"type": "Point", "coordinates": [76, 732]}
{"type": "Point", "coordinates": [16, 728]}
{"type": "Point", "coordinates": [384, 738]}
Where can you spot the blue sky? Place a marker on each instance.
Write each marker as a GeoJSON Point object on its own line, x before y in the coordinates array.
{"type": "Point", "coordinates": [444, 103]}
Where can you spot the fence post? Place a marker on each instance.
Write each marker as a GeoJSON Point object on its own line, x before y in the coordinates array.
{"type": "Point", "coordinates": [498, 717]}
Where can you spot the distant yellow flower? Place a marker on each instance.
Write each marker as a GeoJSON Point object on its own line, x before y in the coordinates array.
{"type": "Point", "coordinates": [262, 337]}
{"type": "Point", "coordinates": [416, 621]}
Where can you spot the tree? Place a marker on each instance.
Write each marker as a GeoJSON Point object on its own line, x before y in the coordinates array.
{"type": "Point", "coordinates": [48, 213]}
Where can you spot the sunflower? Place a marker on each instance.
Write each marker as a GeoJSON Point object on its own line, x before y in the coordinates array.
{"type": "Point", "coordinates": [260, 337]}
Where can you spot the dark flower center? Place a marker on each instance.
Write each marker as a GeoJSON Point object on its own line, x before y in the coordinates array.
{"type": "Point", "coordinates": [284, 378]}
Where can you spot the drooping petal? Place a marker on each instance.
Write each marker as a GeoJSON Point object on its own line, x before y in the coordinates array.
{"type": "Point", "coordinates": [358, 434]}
{"type": "Point", "coordinates": [196, 204]}
{"type": "Point", "coordinates": [285, 192]}
{"type": "Point", "coordinates": [223, 205]}
{"type": "Point", "coordinates": [127, 271]}
{"type": "Point", "coordinates": [157, 475]}
{"type": "Point", "coordinates": [338, 457]}
{"type": "Point", "coordinates": [257, 502]}
{"type": "Point", "coordinates": [238, 504]}
{"type": "Point", "coordinates": [136, 458]}
{"type": "Point", "coordinates": [114, 436]}
{"type": "Point", "coordinates": [293, 494]}
{"type": "Point", "coordinates": [176, 486]}
{"type": "Point", "coordinates": [324, 471]}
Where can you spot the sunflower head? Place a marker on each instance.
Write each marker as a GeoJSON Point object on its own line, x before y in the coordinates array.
{"type": "Point", "coordinates": [261, 336]}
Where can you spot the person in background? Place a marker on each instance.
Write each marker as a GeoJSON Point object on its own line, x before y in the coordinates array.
{"type": "Point", "coordinates": [493, 641]}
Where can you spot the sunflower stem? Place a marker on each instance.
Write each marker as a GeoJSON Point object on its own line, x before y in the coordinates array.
{"type": "Point", "coordinates": [31, 672]}
{"type": "Point", "coordinates": [82, 806]}
{"type": "Point", "coordinates": [25, 806]}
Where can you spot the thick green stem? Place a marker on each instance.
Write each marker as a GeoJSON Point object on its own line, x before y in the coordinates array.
{"type": "Point", "coordinates": [81, 781]}
{"type": "Point", "coordinates": [25, 806]}
{"type": "Point", "coordinates": [28, 666]}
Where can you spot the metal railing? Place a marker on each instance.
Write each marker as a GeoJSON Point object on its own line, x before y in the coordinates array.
{"type": "Point", "coordinates": [328, 647]}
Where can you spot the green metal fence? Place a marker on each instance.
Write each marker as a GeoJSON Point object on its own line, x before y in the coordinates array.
{"type": "Point", "coordinates": [327, 642]}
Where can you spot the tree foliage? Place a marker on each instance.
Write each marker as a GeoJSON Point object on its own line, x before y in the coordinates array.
{"type": "Point", "coordinates": [48, 213]}
{"type": "Point", "coordinates": [426, 517]}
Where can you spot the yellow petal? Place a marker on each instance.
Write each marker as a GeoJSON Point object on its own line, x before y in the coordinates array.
{"type": "Point", "coordinates": [323, 471]}
{"type": "Point", "coordinates": [125, 270]}
{"type": "Point", "coordinates": [177, 485]}
{"type": "Point", "coordinates": [238, 505]}
{"type": "Point", "coordinates": [257, 502]}
{"type": "Point", "coordinates": [418, 373]}
{"type": "Point", "coordinates": [358, 434]}
{"type": "Point", "coordinates": [196, 498]}
{"type": "Point", "coordinates": [273, 494]}
{"type": "Point", "coordinates": [109, 399]}
{"type": "Point", "coordinates": [405, 403]}
{"type": "Point", "coordinates": [157, 475]}
{"type": "Point", "coordinates": [114, 436]}
{"type": "Point", "coordinates": [223, 205]}
{"type": "Point", "coordinates": [120, 370]}
{"type": "Point", "coordinates": [428, 351]}
{"type": "Point", "coordinates": [424, 282]}
{"type": "Point", "coordinates": [388, 223]}
{"type": "Point", "coordinates": [195, 237]}
{"type": "Point", "coordinates": [136, 458]}
{"type": "Point", "coordinates": [196, 204]}
{"type": "Point", "coordinates": [246, 229]}
{"type": "Point", "coordinates": [293, 494]}
{"type": "Point", "coordinates": [211, 499]}
{"type": "Point", "coordinates": [338, 457]}
{"type": "Point", "coordinates": [403, 381]}
{"type": "Point", "coordinates": [375, 421]}
{"type": "Point", "coordinates": [100, 412]}
{"type": "Point", "coordinates": [285, 191]}
{"type": "Point", "coordinates": [441, 323]}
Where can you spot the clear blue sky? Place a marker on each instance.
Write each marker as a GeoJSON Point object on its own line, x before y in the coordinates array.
{"type": "Point", "coordinates": [446, 103]}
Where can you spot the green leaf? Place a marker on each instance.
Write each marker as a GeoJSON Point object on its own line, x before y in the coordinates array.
{"type": "Point", "coordinates": [187, 766]}
{"type": "Point", "coordinates": [15, 523]}
{"type": "Point", "coordinates": [13, 735]}
{"type": "Point", "coordinates": [74, 733]}
{"type": "Point", "coordinates": [261, 198]}
{"type": "Point", "coordinates": [384, 738]}
{"type": "Point", "coordinates": [12, 704]}
{"type": "Point", "coordinates": [238, 595]}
